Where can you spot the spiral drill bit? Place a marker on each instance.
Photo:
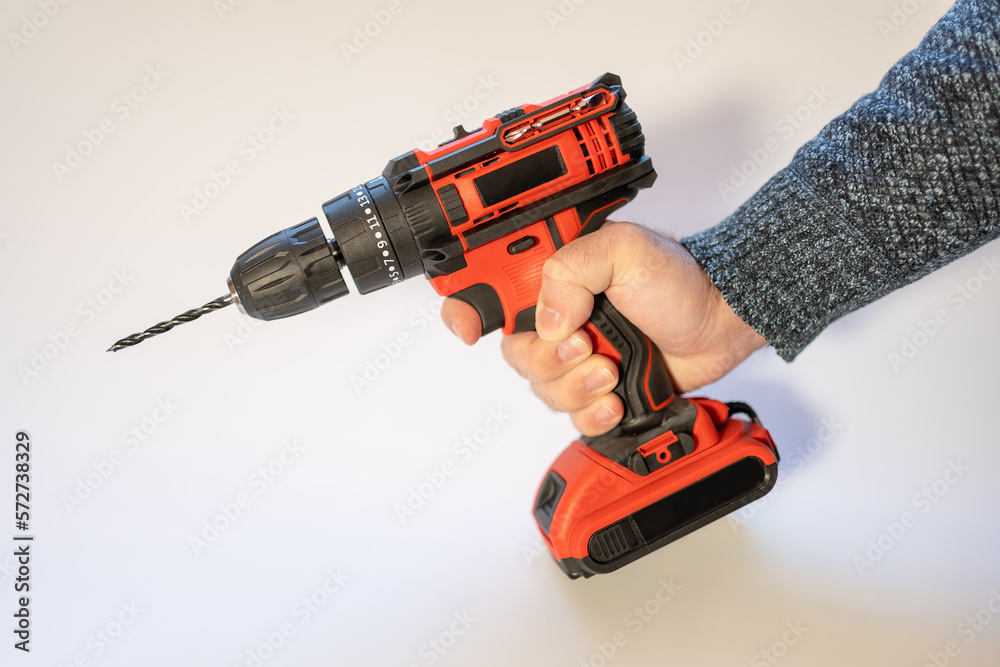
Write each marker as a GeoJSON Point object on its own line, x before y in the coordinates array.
{"type": "Point", "coordinates": [163, 327]}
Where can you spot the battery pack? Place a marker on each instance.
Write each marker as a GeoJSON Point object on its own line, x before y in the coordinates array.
{"type": "Point", "coordinates": [597, 515]}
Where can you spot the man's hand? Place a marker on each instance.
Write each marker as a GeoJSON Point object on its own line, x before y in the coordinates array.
{"type": "Point", "coordinates": [656, 283]}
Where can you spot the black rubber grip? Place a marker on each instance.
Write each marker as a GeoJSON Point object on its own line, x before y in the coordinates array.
{"type": "Point", "coordinates": [643, 382]}
{"type": "Point", "coordinates": [646, 391]}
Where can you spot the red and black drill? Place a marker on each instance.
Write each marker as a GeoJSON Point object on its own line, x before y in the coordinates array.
{"type": "Point", "coordinates": [479, 215]}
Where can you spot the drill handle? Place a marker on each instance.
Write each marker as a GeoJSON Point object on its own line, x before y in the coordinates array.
{"type": "Point", "coordinates": [644, 385]}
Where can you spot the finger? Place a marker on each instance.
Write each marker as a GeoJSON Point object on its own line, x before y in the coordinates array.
{"type": "Point", "coordinates": [537, 360]}
{"type": "Point", "coordinates": [463, 320]}
{"type": "Point", "coordinates": [579, 270]}
{"type": "Point", "coordinates": [600, 416]}
{"type": "Point", "coordinates": [581, 386]}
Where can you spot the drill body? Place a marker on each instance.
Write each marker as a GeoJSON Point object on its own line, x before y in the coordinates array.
{"type": "Point", "coordinates": [479, 216]}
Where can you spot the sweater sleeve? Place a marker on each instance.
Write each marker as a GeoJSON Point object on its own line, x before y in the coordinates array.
{"type": "Point", "coordinates": [905, 181]}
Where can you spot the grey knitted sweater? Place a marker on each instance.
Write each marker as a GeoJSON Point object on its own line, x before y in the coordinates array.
{"type": "Point", "coordinates": [907, 180]}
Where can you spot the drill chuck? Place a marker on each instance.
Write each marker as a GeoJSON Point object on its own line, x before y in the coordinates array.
{"type": "Point", "coordinates": [289, 272]}
{"type": "Point", "coordinates": [298, 269]}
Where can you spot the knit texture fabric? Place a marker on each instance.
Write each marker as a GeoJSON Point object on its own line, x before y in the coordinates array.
{"type": "Point", "coordinates": [907, 180]}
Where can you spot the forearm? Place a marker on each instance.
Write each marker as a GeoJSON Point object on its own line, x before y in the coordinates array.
{"type": "Point", "coordinates": [904, 182]}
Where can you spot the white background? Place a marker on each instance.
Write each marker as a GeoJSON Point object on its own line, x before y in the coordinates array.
{"type": "Point", "coordinates": [471, 549]}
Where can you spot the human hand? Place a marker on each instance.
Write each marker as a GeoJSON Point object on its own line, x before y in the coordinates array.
{"type": "Point", "coordinates": [653, 281]}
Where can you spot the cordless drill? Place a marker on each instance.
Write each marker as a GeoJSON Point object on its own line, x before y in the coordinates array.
{"type": "Point", "coordinates": [479, 215]}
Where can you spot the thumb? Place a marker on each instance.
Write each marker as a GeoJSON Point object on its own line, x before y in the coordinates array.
{"type": "Point", "coordinates": [587, 266]}
{"type": "Point", "coordinates": [463, 320]}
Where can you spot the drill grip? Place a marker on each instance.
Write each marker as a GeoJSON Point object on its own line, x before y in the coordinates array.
{"type": "Point", "coordinates": [644, 385]}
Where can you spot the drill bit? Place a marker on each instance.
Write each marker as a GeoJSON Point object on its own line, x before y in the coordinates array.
{"type": "Point", "coordinates": [163, 327]}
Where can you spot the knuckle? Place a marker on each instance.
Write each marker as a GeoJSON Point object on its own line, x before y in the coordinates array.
{"type": "Point", "coordinates": [584, 423]}
{"type": "Point", "coordinates": [544, 392]}
{"type": "Point", "coordinates": [629, 232]}
{"type": "Point", "coordinates": [557, 269]}
{"type": "Point", "coordinates": [543, 363]}
{"type": "Point", "coordinates": [508, 349]}
{"type": "Point", "coordinates": [520, 370]}
{"type": "Point", "coordinates": [636, 246]}
{"type": "Point", "coordinates": [637, 241]}
{"type": "Point", "coordinates": [514, 350]}
{"type": "Point", "coordinates": [623, 234]}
